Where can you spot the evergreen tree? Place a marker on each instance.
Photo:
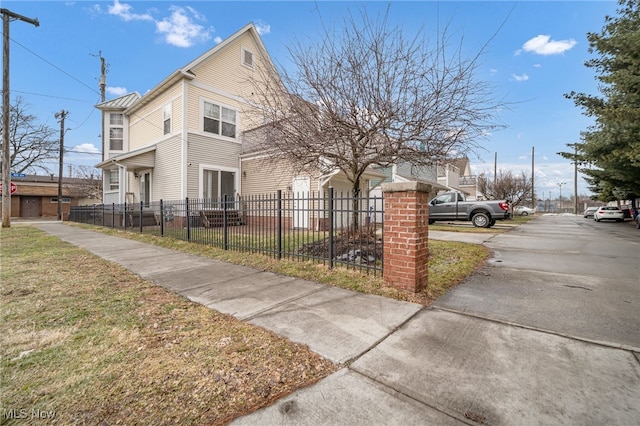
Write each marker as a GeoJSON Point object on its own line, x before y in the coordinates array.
{"type": "Point", "coordinates": [612, 145]}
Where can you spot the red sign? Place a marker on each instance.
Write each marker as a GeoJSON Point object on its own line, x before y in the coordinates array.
{"type": "Point", "coordinates": [14, 187]}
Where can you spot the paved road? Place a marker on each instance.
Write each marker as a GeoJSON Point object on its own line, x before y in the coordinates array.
{"type": "Point", "coordinates": [564, 274]}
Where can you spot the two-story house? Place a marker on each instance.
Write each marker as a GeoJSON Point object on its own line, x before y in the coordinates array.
{"type": "Point", "coordinates": [185, 138]}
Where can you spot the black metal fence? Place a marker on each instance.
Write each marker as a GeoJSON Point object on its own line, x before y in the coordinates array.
{"type": "Point", "coordinates": [332, 229]}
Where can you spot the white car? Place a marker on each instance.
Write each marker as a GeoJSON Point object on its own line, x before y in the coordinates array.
{"type": "Point", "coordinates": [524, 211]}
{"type": "Point", "coordinates": [608, 213]}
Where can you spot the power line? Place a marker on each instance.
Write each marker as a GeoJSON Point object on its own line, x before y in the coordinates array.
{"type": "Point", "coordinates": [54, 66]}
{"type": "Point", "coordinates": [52, 96]}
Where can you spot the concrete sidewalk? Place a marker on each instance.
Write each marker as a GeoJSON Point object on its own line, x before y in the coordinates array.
{"type": "Point", "coordinates": [403, 363]}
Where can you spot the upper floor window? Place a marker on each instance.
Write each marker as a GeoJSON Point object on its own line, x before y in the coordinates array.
{"type": "Point", "coordinates": [116, 138]}
{"type": "Point", "coordinates": [219, 120]}
{"type": "Point", "coordinates": [116, 131]}
{"type": "Point", "coordinates": [247, 58]}
{"type": "Point", "coordinates": [166, 119]}
{"type": "Point", "coordinates": [116, 119]}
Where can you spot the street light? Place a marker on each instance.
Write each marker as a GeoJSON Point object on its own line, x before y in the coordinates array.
{"type": "Point", "coordinates": [560, 185]}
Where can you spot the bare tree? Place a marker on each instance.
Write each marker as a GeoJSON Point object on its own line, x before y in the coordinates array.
{"type": "Point", "coordinates": [369, 96]}
{"type": "Point", "coordinates": [88, 183]}
{"type": "Point", "coordinates": [33, 144]}
{"type": "Point", "coordinates": [508, 186]}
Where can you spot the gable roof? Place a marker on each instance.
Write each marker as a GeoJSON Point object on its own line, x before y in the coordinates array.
{"type": "Point", "coordinates": [186, 71]}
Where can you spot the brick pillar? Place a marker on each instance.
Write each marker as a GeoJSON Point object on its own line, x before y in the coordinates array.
{"type": "Point", "coordinates": [406, 235]}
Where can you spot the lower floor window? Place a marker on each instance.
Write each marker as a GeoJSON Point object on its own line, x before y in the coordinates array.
{"type": "Point", "coordinates": [217, 183]}
{"type": "Point", "coordinates": [114, 180]}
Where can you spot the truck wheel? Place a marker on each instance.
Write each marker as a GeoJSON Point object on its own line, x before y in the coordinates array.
{"type": "Point", "coordinates": [481, 220]}
{"type": "Point", "coordinates": [491, 223]}
{"type": "Point", "coordinates": [525, 214]}
{"type": "Point", "coordinates": [431, 221]}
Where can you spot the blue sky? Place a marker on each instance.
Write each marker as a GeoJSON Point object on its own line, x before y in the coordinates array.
{"type": "Point", "coordinates": [534, 52]}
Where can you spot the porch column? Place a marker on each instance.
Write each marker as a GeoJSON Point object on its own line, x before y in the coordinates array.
{"type": "Point", "coordinates": [406, 235]}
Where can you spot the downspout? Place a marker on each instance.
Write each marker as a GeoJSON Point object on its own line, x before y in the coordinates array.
{"type": "Point", "coordinates": [184, 148]}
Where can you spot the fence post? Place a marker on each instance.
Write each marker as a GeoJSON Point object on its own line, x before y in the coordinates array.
{"type": "Point", "coordinates": [141, 204]}
{"type": "Point", "coordinates": [225, 230]}
{"type": "Point", "coordinates": [161, 219]}
{"type": "Point", "coordinates": [406, 235]}
{"type": "Point", "coordinates": [113, 215]}
{"type": "Point", "coordinates": [186, 200]}
{"type": "Point", "coordinates": [279, 225]}
{"type": "Point", "coordinates": [330, 226]}
{"type": "Point", "coordinates": [93, 215]}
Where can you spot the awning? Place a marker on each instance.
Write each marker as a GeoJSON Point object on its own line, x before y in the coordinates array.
{"type": "Point", "coordinates": [143, 158]}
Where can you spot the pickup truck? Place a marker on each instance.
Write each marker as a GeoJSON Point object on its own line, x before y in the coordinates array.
{"type": "Point", "coordinates": [452, 206]}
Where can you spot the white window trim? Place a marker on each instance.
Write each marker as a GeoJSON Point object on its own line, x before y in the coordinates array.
{"type": "Point", "coordinates": [167, 110]}
{"type": "Point", "coordinates": [203, 167]}
{"type": "Point", "coordinates": [253, 58]}
{"type": "Point", "coordinates": [201, 120]}
{"type": "Point", "coordinates": [115, 126]}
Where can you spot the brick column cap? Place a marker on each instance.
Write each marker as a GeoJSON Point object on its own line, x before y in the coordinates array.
{"type": "Point", "coordinates": [406, 187]}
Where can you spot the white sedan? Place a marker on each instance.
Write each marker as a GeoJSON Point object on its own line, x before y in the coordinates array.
{"type": "Point", "coordinates": [524, 211]}
{"type": "Point", "coordinates": [608, 213]}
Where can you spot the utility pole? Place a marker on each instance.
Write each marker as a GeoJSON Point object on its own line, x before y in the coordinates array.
{"type": "Point", "coordinates": [560, 186]}
{"type": "Point", "coordinates": [575, 180]}
{"type": "Point", "coordinates": [533, 174]}
{"type": "Point", "coordinates": [61, 116]}
{"type": "Point", "coordinates": [7, 16]}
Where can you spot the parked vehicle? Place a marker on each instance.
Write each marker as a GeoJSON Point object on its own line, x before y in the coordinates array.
{"type": "Point", "coordinates": [453, 206]}
{"type": "Point", "coordinates": [523, 211]}
{"type": "Point", "coordinates": [608, 213]}
{"type": "Point", "coordinates": [589, 211]}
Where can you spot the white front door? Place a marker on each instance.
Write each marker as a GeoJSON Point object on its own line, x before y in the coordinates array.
{"type": "Point", "coordinates": [301, 187]}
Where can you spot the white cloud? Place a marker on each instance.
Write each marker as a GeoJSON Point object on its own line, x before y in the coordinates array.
{"type": "Point", "coordinates": [543, 45]}
{"type": "Point", "coordinates": [537, 65]}
{"type": "Point", "coordinates": [522, 77]}
{"type": "Point", "coordinates": [123, 11]}
{"type": "Point", "coordinates": [218, 40]}
{"type": "Point", "coordinates": [117, 91]}
{"type": "Point", "coordinates": [89, 148]}
{"type": "Point", "coordinates": [262, 28]}
{"type": "Point", "coordinates": [180, 29]}
{"type": "Point", "coordinates": [522, 157]}
{"type": "Point", "coordinates": [545, 158]}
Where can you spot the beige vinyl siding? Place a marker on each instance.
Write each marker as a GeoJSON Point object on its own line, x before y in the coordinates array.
{"type": "Point", "coordinates": [265, 177]}
{"type": "Point", "coordinates": [197, 94]}
{"type": "Point", "coordinates": [227, 73]}
{"type": "Point", "coordinates": [212, 151]}
{"type": "Point", "coordinates": [167, 172]}
{"type": "Point", "coordinates": [146, 124]}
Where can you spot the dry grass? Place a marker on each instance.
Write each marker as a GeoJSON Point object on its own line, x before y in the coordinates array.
{"type": "Point", "coordinates": [94, 344]}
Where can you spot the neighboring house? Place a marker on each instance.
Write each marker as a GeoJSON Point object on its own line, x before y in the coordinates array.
{"type": "Point", "coordinates": [37, 196]}
{"type": "Point", "coordinates": [184, 138]}
{"type": "Point", "coordinates": [456, 175]}
{"type": "Point", "coordinates": [405, 172]}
